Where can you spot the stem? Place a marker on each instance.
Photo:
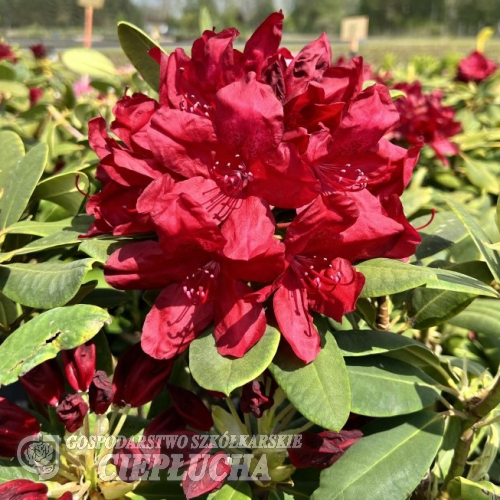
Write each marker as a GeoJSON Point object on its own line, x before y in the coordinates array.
{"type": "Point", "coordinates": [299, 430]}
{"type": "Point", "coordinates": [383, 320]}
{"type": "Point", "coordinates": [60, 118]}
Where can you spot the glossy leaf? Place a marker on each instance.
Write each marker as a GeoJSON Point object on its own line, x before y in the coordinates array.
{"type": "Point", "coordinates": [80, 224]}
{"type": "Point", "coordinates": [136, 44]}
{"type": "Point", "coordinates": [88, 62]}
{"type": "Point", "coordinates": [464, 489]}
{"type": "Point", "coordinates": [389, 463]}
{"type": "Point", "coordinates": [16, 194]}
{"type": "Point", "coordinates": [385, 387]}
{"type": "Point", "coordinates": [12, 149]}
{"type": "Point", "coordinates": [218, 373]}
{"type": "Point", "coordinates": [232, 491]}
{"type": "Point", "coordinates": [386, 277]}
{"type": "Point", "coordinates": [43, 285]}
{"type": "Point", "coordinates": [482, 316]}
{"type": "Point", "coordinates": [10, 470]}
{"type": "Point", "coordinates": [319, 390]}
{"type": "Point", "coordinates": [45, 335]}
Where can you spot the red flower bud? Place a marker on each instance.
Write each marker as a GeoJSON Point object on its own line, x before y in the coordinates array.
{"type": "Point", "coordinates": [15, 425]}
{"type": "Point", "coordinates": [100, 393]}
{"type": "Point", "coordinates": [23, 489]}
{"type": "Point", "coordinates": [44, 383]}
{"type": "Point", "coordinates": [319, 451]}
{"type": "Point", "coordinates": [79, 366]}
{"type": "Point", "coordinates": [138, 377]}
{"type": "Point", "coordinates": [475, 68]}
{"type": "Point", "coordinates": [35, 95]}
{"type": "Point", "coordinates": [71, 411]}
{"type": "Point", "coordinates": [136, 459]}
{"type": "Point", "coordinates": [216, 471]}
{"type": "Point", "coordinates": [191, 408]}
{"type": "Point", "coordinates": [166, 422]}
{"type": "Point", "coordinates": [39, 51]}
{"type": "Point", "coordinates": [253, 400]}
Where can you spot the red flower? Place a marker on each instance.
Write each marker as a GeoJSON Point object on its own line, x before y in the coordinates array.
{"type": "Point", "coordinates": [213, 470]}
{"type": "Point", "coordinates": [71, 411]}
{"type": "Point", "coordinates": [319, 451]}
{"type": "Point", "coordinates": [134, 460]}
{"type": "Point", "coordinates": [254, 400]}
{"type": "Point", "coordinates": [475, 68]}
{"type": "Point", "coordinates": [35, 95]}
{"type": "Point", "coordinates": [39, 51]}
{"type": "Point", "coordinates": [15, 425]}
{"type": "Point", "coordinates": [100, 393]}
{"type": "Point", "coordinates": [23, 489]}
{"type": "Point", "coordinates": [190, 407]}
{"type": "Point", "coordinates": [44, 383]}
{"type": "Point", "coordinates": [424, 119]}
{"type": "Point", "coordinates": [207, 268]}
{"type": "Point", "coordinates": [139, 378]}
{"type": "Point", "coordinates": [79, 366]}
{"type": "Point", "coordinates": [6, 53]}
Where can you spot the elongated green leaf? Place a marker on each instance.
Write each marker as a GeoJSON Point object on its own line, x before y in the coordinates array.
{"type": "Point", "coordinates": [479, 237]}
{"type": "Point", "coordinates": [100, 250]}
{"type": "Point", "coordinates": [61, 239]}
{"type": "Point", "coordinates": [79, 224]}
{"type": "Point", "coordinates": [386, 277]}
{"type": "Point", "coordinates": [45, 335]}
{"type": "Point", "coordinates": [369, 342]}
{"type": "Point", "coordinates": [233, 491]}
{"type": "Point", "coordinates": [44, 285]}
{"type": "Point", "coordinates": [464, 489]}
{"type": "Point", "coordinates": [12, 149]}
{"type": "Point", "coordinates": [136, 45]}
{"type": "Point", "coordinates": [483, 316]}
{"type": "Point", "coordinates": [61, 189]}
{"type": "Point", "coordinates": [480, 175]}
{"type": "Point", "coordinates": [11, 470]}
{"type": "Point", "coordinates": [22, 181]}
{"type": "Point", "coordinates": [386, 387]}
{"type": "Point", "coordinates": [386, 465]}
{"type": "Point", "coordinates": [88, 62]}
{"type": "Point", "coordinates": [444, 231]}
{"type": "Point", "coordinates": [217, 373]}
{"type": "Point", "coordinates": [13, 89]}
{"type": "Point", "coordinates": [319, 390]}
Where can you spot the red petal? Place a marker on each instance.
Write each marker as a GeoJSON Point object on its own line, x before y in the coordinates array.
{"type": "Point", "coordinates": [239, 325]}
{"type": "Point", "coordinates": [213, 470]}
{"type": "Point", "coordinates": [173, 323]}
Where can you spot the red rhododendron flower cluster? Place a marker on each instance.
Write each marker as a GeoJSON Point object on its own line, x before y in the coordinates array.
{"type": "Point", "coordinates": [425, 119]}
{"type": "Point", "coordinates": [264, 178]}
{"type": "Point", "coordinates": [475, 68]}
{"type": "Point", "coordinates": [6, 53]}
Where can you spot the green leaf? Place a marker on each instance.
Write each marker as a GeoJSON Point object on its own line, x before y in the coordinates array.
{"type": "Point", "coordinates": [319, 390]}
{"type": "Point", "coordinates": [483, 316]}
{"type": "Point", "coordinates": [480, 175]}
{"type": "Point", "coordinates": [12, 149]}
{"type": "Point", "coordinates": [386, 465]}
{"type": "Point", "coordinates": [61, 189]}
{"type": "Point", "coordinates": [387, 277]}
{"type": "Point", "coordinates": [61, 239]}
{"type": "Point", "coordinates": [45, 335]}
{"type": "Point", "coordinates": [43, 285]}
{"type": "Point", "coordinates": [232, 491]}
{"type": "Point", "coordinates": [217, 373]}
{"type": "Point", "coordinates": [136, 45]}
{"type": "Point", "coordinates": [479, 237]}
{"type": "Point", "coordinates": [444, 231]}
{"type": "Point", "coordinates": [88, 62]}
{"type": "Point", "coordinates": [368, 342]}
{"type": "Point", "coordinates": [11, 470]}
{"type": "Point", "coordinates": [100, 250]}
{"type": "Point", "coordinates": [385, 387]}
{"type": "Point", "coordinates": [79, 224]}
{"type": "Point", "coordinates": [24, 176]}
{"type": "Point", "coordinates": [464, 489]}
{"type": "Point", "coordinates": [10, 89]}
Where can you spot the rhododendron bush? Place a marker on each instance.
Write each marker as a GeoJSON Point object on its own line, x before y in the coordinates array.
{"type": "Point", "coordinates": [243, 271]}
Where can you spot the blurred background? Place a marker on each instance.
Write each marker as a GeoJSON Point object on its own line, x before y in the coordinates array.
{"type": "Point", "coordinates": [432, 27]}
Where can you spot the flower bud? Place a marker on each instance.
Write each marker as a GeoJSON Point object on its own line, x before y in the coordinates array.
{"type": "Point", "coordinates": [138, 377]}
{"type": "Point", "coordinates": [44, 383]}
{"type": "Point", "coordinates": [166, 422]}
{"type": "Point", "coordinates": [191, 408]}
{"type": "Point", "coordinates": [15, 425]}
{"type": "Point", "coordinates": [100, 393]}
{"type": "Point", "coordinates": [136, 459]}
{"type": "Point", "coordinates": [253, 400]}
{"type": "Point", "coordinates": [23, 489]}
{"type": "Point", "coordinates": [79, 366]}
{"type": "Point", "coordinates": [319, 451]}
{"type": "Point", "coordinates": [39, 51]}
{"type": "Point", "coordinates": [215, 469]}
{"type": "Point", "coordinates": [71, 411]}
